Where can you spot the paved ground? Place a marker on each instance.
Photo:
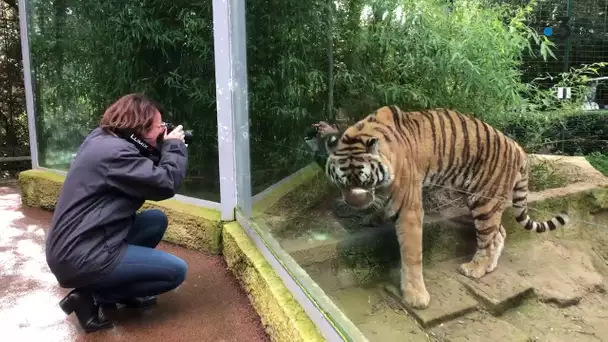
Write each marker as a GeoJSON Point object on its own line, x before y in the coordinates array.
{"type": "Point", "coordinates": [209, 306]}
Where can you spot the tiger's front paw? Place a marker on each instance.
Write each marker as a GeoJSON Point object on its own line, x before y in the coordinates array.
{"type": "Point", "coordinates": [476, 268]}
{"type": "Point", "coordinates": [416, 297]}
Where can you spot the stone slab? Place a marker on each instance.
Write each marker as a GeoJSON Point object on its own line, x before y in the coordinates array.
{"type": "Point", "coordinates": [378, 319]}
{"type": "Point", "coordinates": [557, 271]}
{"type": "Point", "coordinates": [478, 327]}
{"type": "Point", "coordinates": [449, 299]}
{"type": "Point", "coordinates": [500, 290]}
{"type": "Point", "coordinates": [561, 272]}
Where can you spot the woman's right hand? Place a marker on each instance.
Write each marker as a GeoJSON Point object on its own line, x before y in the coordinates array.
{"type": "Point", "coordinates": [176, 133]}
{"type": "Point", "coordinates": [324, 128]}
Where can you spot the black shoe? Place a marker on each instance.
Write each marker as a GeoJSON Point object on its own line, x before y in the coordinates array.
{"type": "Point", "coordinates": [87, 312]}
{"type": "Point", "coordinates": [137, 302]}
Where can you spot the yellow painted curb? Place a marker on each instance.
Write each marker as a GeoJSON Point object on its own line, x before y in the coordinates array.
{"type": "Point", "coordinates": [282, 316]}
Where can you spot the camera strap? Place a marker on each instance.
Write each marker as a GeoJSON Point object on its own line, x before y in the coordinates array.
{"type": "Point", "coordinates": [144, 148]}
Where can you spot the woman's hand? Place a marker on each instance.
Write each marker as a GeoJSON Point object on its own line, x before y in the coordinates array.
{"type": "Point", "coordinates": [176, 133]}
{"type": "Point", "coordinates": [324, 128]}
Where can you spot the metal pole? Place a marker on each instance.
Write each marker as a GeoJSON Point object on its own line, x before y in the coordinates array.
{"type": "Point", "coordinates": [27, 78]}
{"type": "Point", "coordinates": [567, 52]}
{"type": "Point", "coordinates": [330, 56]}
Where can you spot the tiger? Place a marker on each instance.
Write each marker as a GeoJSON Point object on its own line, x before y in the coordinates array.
{"type": "Point", "coordinates": [390, 156]}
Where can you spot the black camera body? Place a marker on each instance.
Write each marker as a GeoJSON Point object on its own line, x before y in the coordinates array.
{"type": "Point", "coordinates": [188, 136]}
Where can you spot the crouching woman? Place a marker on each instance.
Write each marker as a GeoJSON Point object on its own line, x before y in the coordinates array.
{"type": "Point", "coordinates": [98, 244]}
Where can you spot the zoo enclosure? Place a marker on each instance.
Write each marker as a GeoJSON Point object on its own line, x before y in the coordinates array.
{"type": "Point", "coordinates": [248, 78]}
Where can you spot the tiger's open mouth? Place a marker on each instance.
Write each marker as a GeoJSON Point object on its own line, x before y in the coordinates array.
{"type": "Point", "coordinates": [358, 198]}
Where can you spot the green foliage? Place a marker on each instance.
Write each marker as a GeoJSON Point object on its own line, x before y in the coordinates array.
{"type": "Point", "coordinates": [418, 54]}
{"type": "Point", "coordinates": [547, 124]}
{"type": "Point", "coordinates": [599, 161]}
{"type": "Point", "coordinates": [543, 176]}
{"type": "Point", "coordinates": [13, 122]}
{"type": "Point", "coordinates": [543, 98]}
{"type": "Point", "coordinates": [306, 60]}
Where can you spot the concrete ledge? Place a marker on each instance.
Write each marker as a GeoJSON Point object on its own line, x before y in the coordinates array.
{"type": "Point", "coordinates": [40, 188]}
{"type": "Point", "coordinates": [282, 316]}
{"type": "Point", "coordinates": [190, 226]}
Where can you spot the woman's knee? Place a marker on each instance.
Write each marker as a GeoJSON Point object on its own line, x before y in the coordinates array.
{"type": "Point", "coordinates": [180, 270]}
{"type": "Point", "coordinates": [156, 218]}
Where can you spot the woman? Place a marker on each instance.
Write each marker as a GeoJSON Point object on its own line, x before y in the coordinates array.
{"type": "Point", "coordinates": [98, 245]}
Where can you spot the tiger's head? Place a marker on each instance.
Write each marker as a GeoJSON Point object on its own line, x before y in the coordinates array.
{"type": "Point", "coordinates": [356, 165]}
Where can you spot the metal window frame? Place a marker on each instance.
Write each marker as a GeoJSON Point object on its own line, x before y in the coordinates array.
{"type": "Point", "coordinates": [232, 106]}
{"type": "Point", "coordinates": [27, 78]}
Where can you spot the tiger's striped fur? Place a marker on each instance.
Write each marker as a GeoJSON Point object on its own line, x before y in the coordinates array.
{"type": "Point", "coordinates": [390, 155]}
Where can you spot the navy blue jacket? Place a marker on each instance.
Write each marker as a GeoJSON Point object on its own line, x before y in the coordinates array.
{"type": "Point", "coordinates": [108, 181]}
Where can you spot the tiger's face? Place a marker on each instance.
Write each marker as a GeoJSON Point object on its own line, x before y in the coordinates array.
{"type": "Point", "coordinates": [357, 167]}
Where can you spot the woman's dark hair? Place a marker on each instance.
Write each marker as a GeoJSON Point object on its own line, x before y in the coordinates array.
{"type": "Point", "coordinates": [132, 113]}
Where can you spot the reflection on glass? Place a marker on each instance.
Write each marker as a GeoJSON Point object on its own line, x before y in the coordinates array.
{"type": "Point", "coordinates": [13, 125]}
{"type": "Point", "coordinates": [340, 60]}
{"type": "Point", "coordinates": [86, 54]}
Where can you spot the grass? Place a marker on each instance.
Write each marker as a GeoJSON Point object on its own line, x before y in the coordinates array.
{"type": "Point", "coordinates": [544, 176]}
{"type": "Point", "coordinates": [599, 161]}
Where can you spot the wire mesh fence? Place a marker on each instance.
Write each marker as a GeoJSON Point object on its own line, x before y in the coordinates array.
{"type": "Point", "coordinates": [579, 29]}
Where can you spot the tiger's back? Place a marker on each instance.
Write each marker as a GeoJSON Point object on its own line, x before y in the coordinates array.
{"type": "Point", "coordinates": [457, 151]}
{"type": "Point", "coordinates": [397, 153]}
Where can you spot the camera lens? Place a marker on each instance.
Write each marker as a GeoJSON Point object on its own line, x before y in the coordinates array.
{"type": "Point", "coordinates": [188, 136]}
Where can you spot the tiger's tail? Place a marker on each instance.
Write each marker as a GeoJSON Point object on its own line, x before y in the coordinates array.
{"type": "Point", "coordinates": [520, 204]}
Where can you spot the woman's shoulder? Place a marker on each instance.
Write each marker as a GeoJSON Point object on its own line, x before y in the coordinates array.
{"type": "Point", "coordinates": [102, 145]}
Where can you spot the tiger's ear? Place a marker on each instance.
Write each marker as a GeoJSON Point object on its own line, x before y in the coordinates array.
{"type": "Point", "coordinates": [373, 145]}
{"type": "Point", "coordinates": [331, 141]}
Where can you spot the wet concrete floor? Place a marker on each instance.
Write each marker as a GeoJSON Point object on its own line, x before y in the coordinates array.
{"type": "Point", "coordinates": [209, 306]}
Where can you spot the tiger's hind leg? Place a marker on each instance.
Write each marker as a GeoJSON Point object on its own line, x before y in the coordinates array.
{"type": "Point", "coordinates": [490, 237]}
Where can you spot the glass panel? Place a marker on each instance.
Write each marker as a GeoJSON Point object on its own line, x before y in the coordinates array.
{"type": "Point", "coordinates": [288, 54]}
{"type": "Point", "coordinates": [342, 60]}
{"type": "Point", "coordinates": [86, 54]}
{"type": "Point", "coordinates": [14, 144]}
{"type": "Point", "coordinates": [289, 58]}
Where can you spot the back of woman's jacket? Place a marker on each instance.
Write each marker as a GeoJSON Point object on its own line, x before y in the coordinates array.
{"type": "Point", "coordinates": [107, 183]}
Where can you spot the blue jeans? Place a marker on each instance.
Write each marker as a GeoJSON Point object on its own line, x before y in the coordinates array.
{"type": "Point", "coordinates": [143, 271]}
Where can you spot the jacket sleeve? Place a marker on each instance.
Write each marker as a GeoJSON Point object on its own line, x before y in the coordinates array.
{"type": "Point", "coordinates": [136, 175]}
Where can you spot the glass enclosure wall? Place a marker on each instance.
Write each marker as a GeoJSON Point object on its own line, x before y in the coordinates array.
{"type": "Point", "coordinates": [338, 61]}
{"type": "Point", "coordinates": [86, 54]}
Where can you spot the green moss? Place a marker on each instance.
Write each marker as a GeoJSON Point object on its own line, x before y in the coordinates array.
{"type": "Point", "coordinates": [281, 314]}
{"type": "Point", "coordinates": [40, 188]}
{"type": "Point", "coordinates": [580, 206]}
{"type": "Point", "coordinates": [47, 175]}
{"type": "Point", "coordinates": [188, 209]}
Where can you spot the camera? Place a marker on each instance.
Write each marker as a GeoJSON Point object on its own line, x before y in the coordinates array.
{"type": "Point", "coordinates": [187, 133]}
